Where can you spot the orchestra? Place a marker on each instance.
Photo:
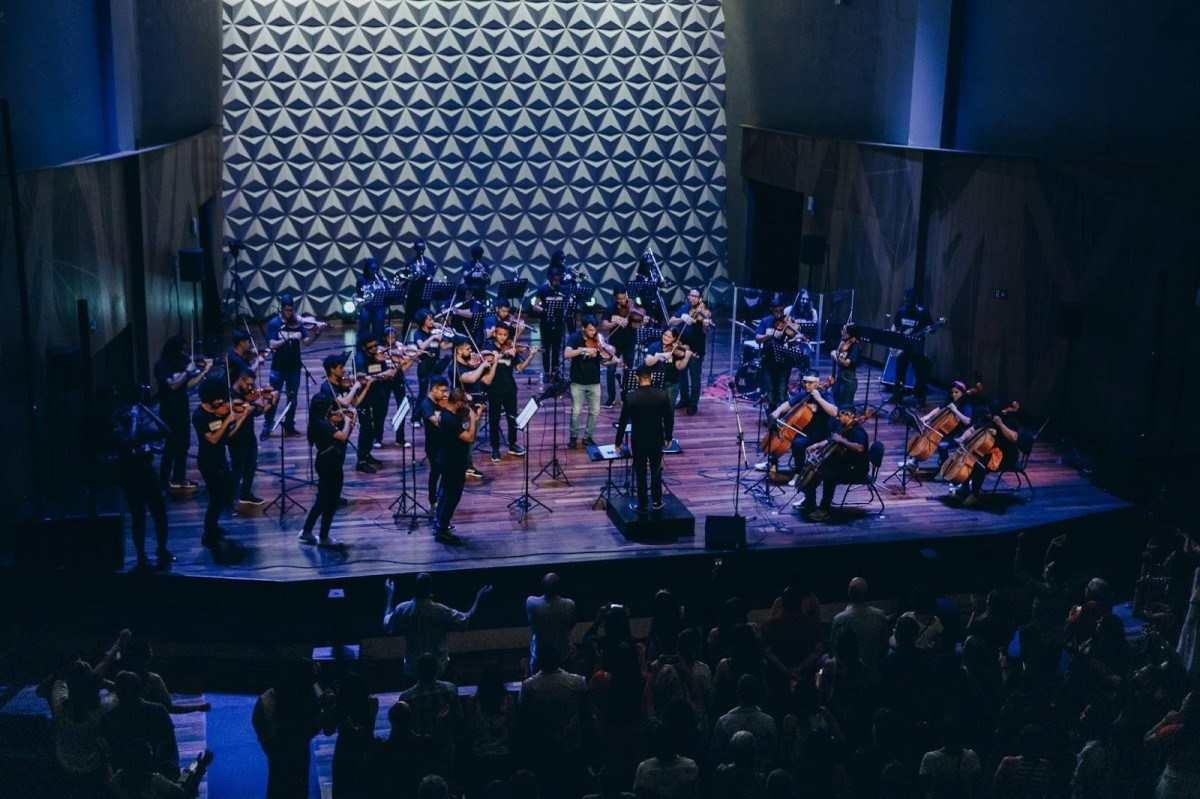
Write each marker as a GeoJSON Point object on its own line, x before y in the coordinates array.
{"type": "Point", "coordinates": [468, 353]}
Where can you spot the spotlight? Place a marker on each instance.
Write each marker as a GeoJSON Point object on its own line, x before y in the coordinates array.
{"type": "Point", "coordinates": [349, 307]}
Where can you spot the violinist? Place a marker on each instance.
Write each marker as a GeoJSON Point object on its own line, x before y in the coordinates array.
{"type": "Point", "coordinates": [401, 358]}
{"type": "Point", "coordinates": [911, 318]}
{"type": "Point", "coordinates": [215, 421]}
{"type": "Point", "coordinates": [845, 357]}
{"type": "Point", "coordinates": [586, 351]}
{"type": "Point", "coordinates": [502, 390]}
{"type": "Point", "coordinates": [242, 356]}
{"type": "Point", "coordinates": [847, 463]}
{"type": "Point", "coordinates": [694, 321]}
{"type": "Point", "coordinates": [550, 302]}
{"type": "Point", "coordinates": [457, 426]}
{"type": "Point", "coordinates": [371, 315]}
{"type": "Point", "coordinates": [822, 411]}
{"type": "Point", "coordinates": [670, 357]}
{"type": "Point", "coordinates": [776, 374]}
{"type": "Point", "coordinates": [473, 373]}
{"type": "Point", "coordinates": [286, 333]}
{"type": "Point", "coordinates": [374, 371]}
{"type": "Point", "coordinates": [1008, 433]}
{"type": "Point", "coordinates": [429, 412]}
{"type": "Point", "coordinates": [329, 429]}
{"type": "Point", "coordinates": [620, 325]}
{"type": "Point", "coordinates": [243, 445]}
{"type": "Point", "coordinates": [466, 314]}
{"type": "Point", "coordinates": [503, 315]}
{"type": "Point", "coordinates": [337, 386]}
{"type": "Point", "coordinates": [176, 372]}
{"type": "Point", "coordinates": [429, 337]}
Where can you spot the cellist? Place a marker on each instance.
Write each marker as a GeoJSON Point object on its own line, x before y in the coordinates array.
{"type": "Point", "coordinates": [823, 411]}
{"type": "Point", "coordinates": [963, 404]}
{"type": "Point", "coordinates": [848, 464]}
{"type": "Point", "coordinates": [1008, 433]}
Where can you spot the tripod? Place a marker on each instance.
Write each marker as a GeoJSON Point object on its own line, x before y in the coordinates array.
{"type": "Point", "coordinates": [527, 501]}
{"type": "Point", "coordinates": [405, 504]}
{"type": "Point", "coordinates": [902, 471]}
{"type": "Point", "coordinates": [285, 501]}
{"type": "Point", "coordinates": [553, 468]}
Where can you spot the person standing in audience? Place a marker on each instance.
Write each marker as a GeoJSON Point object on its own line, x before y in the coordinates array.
{"type": "Point", "coordinates": [286, 718]}
{"type": "Point", "coordinates": [666, 775]}
{"type": "Point", "coordinates": [554, 724]}
{"type": "Point", "coordinates": [869, 625]}
{"type": "Point", "coordinates": [436, 714]}
{"type": "Point", "coordinates": [424, 622]}
{"type": "Point", "coordinates": [748, 716]}
{"type": "Point", "coordinates": [551, 618]}
{"type": "Point", "coordinates": [135, 719]}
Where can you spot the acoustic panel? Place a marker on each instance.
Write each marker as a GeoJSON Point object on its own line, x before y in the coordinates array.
{"type": "Point", "coordinates": [526, 126]}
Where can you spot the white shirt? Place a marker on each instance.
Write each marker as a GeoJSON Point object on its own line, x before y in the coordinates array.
{"type": "Point", "coordinates": [551, 619]}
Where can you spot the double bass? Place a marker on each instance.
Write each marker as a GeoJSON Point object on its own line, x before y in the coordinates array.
{"type": "Point", "coordinates": [940, 426]}
{"type": "Point", "coordinates": [816, 455]}
{"type": "Point", "coordinates": [981, 447]}
{"type": "Point", "coordinates": [778, 441]}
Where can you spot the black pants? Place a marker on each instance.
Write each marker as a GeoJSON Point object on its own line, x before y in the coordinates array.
{"type": "Point", "coordinates": [330, 475]}
{"type": "Point", "coordinates": [920, 365]}
{"type": "Point", "coordinates": [427, 368]}
{"type": "Point", "coordinates": [244, 456]}
{"type": "Point", "coordinates": [552, 347]}
{"type": "Point", "coordinates": [502, 403]}
{"type": "Point", "coordinates": [398, 388]}
{"type": "Point", "coordinates": [775, 380]}
{"type": "Point", "coordinates": [450, 492]}
{"type": "Point", "coordinates": [845, 387]}
{"type": "Point", "coordinates": [626, 356]}
{"type": "Point", "coordinates": [648, 459]}
{"type": "Point", "coordinates": [690, 383]}
{"type": "Point", "coordinates": [371, 321]}
{"type": "Point", "coordinates": [173, 466]}
{"type": "Point", "coordinates": [289, 381]}
{"type": "Point", "coordinates": [435, 476]}
{"type": "Point", "coordinates": [831, 476]}
{"type": "Point", "coordinates": [143, 492]}
{"type": "Point", "coordinates": [366, 427]}
{"type": "Point", "coordinates": [218, 479]}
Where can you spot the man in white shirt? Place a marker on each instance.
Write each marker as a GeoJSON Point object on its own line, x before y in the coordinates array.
{"type": "Point", "coordinates": [869, 625]}
{"type": "Point", "coordinates": [424, 622]}
{"type": "Point", "coordinates": [747, 716]}
{"type": "Point", "coordinates": [551, 619]}
{"type": "Point", "coordinates": [554, 723]}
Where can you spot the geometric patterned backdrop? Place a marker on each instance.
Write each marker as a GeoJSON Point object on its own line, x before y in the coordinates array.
{"type": "Point", "coordinates": [351, 125]}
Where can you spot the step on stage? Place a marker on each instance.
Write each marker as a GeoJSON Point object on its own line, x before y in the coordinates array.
{"type": "Point", "coordinates": [574, 527]}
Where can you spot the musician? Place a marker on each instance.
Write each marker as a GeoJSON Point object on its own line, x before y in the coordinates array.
{"type": "Point", "coordinates": [241, 357]}
{"type": "Point", "coordinates": [1008, 434]}
{"type": "Point", "coordinates": [176, 372]}
{"type": "Point", "coordinates": [847, 464]}
{"type": "Point", "coordinates": [475, 272]}
{"type": "Point", "coordinates": [473, 374]}
{"type": "Point", "coordinates": [372, 316]}
{"type": "Point", "coordinates": [845, 357]}
{"type": "Point", "coordinates": [776, 375]}
{"type": "Point", "coordinates": [429, 411]}
{"type": "Point", "coordinates": [398, 386]}
{"type": "Point", "coordinates": [329, 429]}
{"type": "Point", "coordinates": [503, 315]}
{"type": "Point", "coordinates": [554, 320]}
{"type": "Point", "coordinates": [671, 358]}
{"type": "Point", "coordinates": [243, 445]}
{"type": "Point", "coordinates": [135, 430]}
{"type": "Point", "coordinates": [911, 318]}
{"type": "Point", "coordinates": [694, 321]}
{"type": "Point", "coordinates": [620, 325]}
{"type": "Point", "coordinates": [215, 421]}
{"type": "Point", "coordinates": [586, 351]}
{"type": "Point", "coordinates": [649, 411]}
{"type": "Point", "coordinates": [429, 337]}
{"type": "Point", "coordinates": [337, 387]}
{"type": "Point", "coordinates": [502, 390]}
{"type": "Point", "coordinates": [420, 272]}
{"type": "Point", "coordinates": [457, 426]}
{"type": "Point", "coordinates": [650, 300]}
{"type": "Point", "coordinates": [803, 309]}
{"type": "Point", "coordinates": [285, 336]}
{"type": "Point", "coordinates": [466, 315]}
{"type": "Point", "coordinates": [965, 407]}
{"type": "Point", "coordinates": [823, 411]}
{"type": "Point", "coordinates": [374, 371]}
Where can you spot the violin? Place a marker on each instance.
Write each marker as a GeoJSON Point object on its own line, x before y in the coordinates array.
{"type": "Point", "coordinates": [816, 455]}
{"type": "Point", "coordinates": [981, 447]}
{"type": "Point", "coordinates": [940, 426]}
{"type": "Point", "coordinates": [790, 328]}
{"type": "Point", "coordinates": [778, 441]}
{"type": "Point", "coordinates": [311, 322]}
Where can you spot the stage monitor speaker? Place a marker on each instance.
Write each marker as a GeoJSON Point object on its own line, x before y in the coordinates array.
{"type": "Point", "coordinates": [725, 532]}
{"type": "Point", "coordinates": [812, 249]}
{"type": "Point", "coordinates": [191, 265]}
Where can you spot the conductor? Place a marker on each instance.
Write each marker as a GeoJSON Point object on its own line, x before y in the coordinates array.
{"type": "Point", "coordinates": [648, 410]}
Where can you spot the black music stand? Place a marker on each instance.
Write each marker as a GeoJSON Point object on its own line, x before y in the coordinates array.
{"type": "Point", "coordinates": [512, 289]}
{"type": "Point", "coordinates": [554, 316]}
{"type": "Point", "coordinates": [608, 453]}
{"type": "Point", "coordinates": [553, 468]}
{"type": "Point", "coordinates": [285, 501]}
{"type": "Point", "coordinates": [905, 469]}
{"type": "Point", "coordinates": [525, 503]}
{"type": "Point", "coordinates": [406, 504]}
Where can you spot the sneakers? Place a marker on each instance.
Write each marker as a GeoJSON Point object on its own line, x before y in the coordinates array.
{"type": "Point", "coordinates": [819, 515]}
{"type": "Point", "coordinates": [184, 485]}
{"type": "Point", "coordinates": [447, 537]}
{"type": "Point", "coordinates": [516, 450]}
{"type": "Point", "coordinates": [251, 500]}
{"type": "Point", "coordinates": [657, 505]}
{"type": "Point", "coordinates": [795, 481]}
{"type": "Point", "coordinates": [306, 537]}
{"type": "Point", "coordinates": [473, 472]}
{"type": "Point", "coordinates": [365, 466]}
{"type": "Point", "coordinates": [371, 459]}
{"type": "Point", "coordinates": [573, 443]}
{"type": "Point", "coordinates": [762, 466]}
{"type": "Point", "coordinates": [804, 506]}
{"type": "Point", "coordinates": [495, 456]}
{"type": "Point", "coordinates": [635, 507]}
{"type": "Point", "coordinates": [291, 430]}
{"type": "Point", "coordinates": [610, 404]}
{"type": "Point", "coordinates": [329, 543]}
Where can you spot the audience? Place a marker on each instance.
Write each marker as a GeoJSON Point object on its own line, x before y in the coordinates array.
{"type": "Point", "coordinates": [666, 775]}
{"type": "Point", "coordinates": [286, 718]}
{"type": "Point", "coordinates": [554, 723]}
{"type": "Point", "coordinates": [436, 714]}
{"type": "Point", "coordinates": [424, 622]}
{"type": "Point", "coordinates": [551, 618]}
{"type": "Point", "coordinates": [869, 625]}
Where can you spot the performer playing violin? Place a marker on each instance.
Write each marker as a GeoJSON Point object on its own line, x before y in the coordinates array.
{"type": "Point", "coordinates": [243, 445]}
{"type": "Point", "coordinates": [845, 463]}
{"type": "Point", "coordinates": [821, 410]}
{"type": "Point", "coordinates": [429, 337]}
{"type": "Point", "coordinates": [242, 356]}
{"type": "Point", "coordinates": [457, 426]}
{"type": "Point", "coordinates": [215, 421]}
{"type": "Point", "coordinates": [620, 325]}
{"type": "Point", "coordinates": [1007, 435]}
{"type": "Point", "coordinates": [329, 429]}
{"type": "Point", "coordinates": [670, 357]}
{"type": "Point", "coordinates": [777, 328]}
{"type": "Point", "coordinates": [586, 351]}
{"type": "Point", "coordinates": [502, 390]}
{"type": "Point", "coordinates": [694, 321]}
{"type": "Point", "coordinates": [286, 332]}
{"type": "Point", "coordinates": [401, 358]}
{"type": "Point", "coordinates": [472, 372]}
{"type": "Point", "coordinates": [176, 372]}
{"type": "Point", "coordinates": [846, 356]}
{"type": "Point", "coordinates": [429, 412]}
{"type": "Point", "coordinates": [467, 313]}
{"type": "Point", "coordinates": [503, 315]}
{"type": "Point", "coordinates": [375, 367]}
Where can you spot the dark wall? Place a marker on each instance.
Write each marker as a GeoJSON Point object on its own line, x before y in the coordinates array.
{"type": "Point", "coordinates": [808, 65]}
{"type": "Point", "coordinates": [1076, 78]}
{"type": "Point", "coordinates": [180, 54]}
{"type": "Point", "coordinates": [54, 58]}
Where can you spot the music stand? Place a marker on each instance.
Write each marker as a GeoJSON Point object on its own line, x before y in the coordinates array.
{"type": "Point", "coordinates": [762, 488]}
{"type": "Point", "coordinates": [405, 504]}
{"type": "Point", "coordinates": [553, 468]}
{"type": "Point", "coordinates": [554, 310]}
{"type": "Point", "coordinates": [904, 468]}
{"type": "Point", "coordinates": [437, 291]}
{"type": "Point", "coordinates": [607, 453]}
{"type": "Point", "coordinates": [527, 501]}
{"type": "Point", "coordinates": [285, 501]}
{"type": "Point", "coordinates": [512, 289]}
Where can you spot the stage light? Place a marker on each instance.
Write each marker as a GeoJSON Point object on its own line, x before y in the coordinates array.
{"type": "Point", "coordinates": [348, 307]}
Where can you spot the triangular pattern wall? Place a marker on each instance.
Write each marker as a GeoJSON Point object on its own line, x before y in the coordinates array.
{"type": "Point", "coordinates": [351, 125]}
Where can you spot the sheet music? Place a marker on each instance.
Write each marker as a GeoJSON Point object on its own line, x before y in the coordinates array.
{"type": "Point", "coordinates": [401, 414]}
{"type": "Point", "coordinates": [526, 413]}
{"type": "Point", "coordinates": [280, 415]}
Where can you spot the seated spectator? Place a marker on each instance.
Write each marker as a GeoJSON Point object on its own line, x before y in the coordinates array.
{"type": "Point", "coordinates": [398, 763]}
{"type": "Point", "coordinates": [551, 618]}
{"type": "Point", "coordinates": [490, 726]}
{"type": "Point", "coordinates": [870, 626]}
{"type": "Point", "coordinates": [285, 719]}
{"type": "Point", "coordinates": [737, 776]}
{"type": "Point", "coordinates": [666, 775]}
{"type": "Point", "coordinates": [80, 751]}
{"type": "Point", "coordinates": [951, 772]}
{"type": "Point", "coordinates": [554, 721]}
{"type": "Point", "coordinates": [1028, 774]}
{"type": "Point", "coordinates": [355, 718]}
{"type": "Point", "coordinates": [133, 719]}
{"type": "Point", "coordinates": [436, 714]}
{"type": "Point", "coordinates": [138, 779]}
{"type": "Point", "coordinates": [138, 656]}
{"type": "Point", "coordinates": [747, 716]}
{"type": "Point", "coordinates": [424, 622]}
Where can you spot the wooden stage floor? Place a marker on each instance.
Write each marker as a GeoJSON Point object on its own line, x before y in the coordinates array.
{"type": "Point", "coordinates": [702, 477]}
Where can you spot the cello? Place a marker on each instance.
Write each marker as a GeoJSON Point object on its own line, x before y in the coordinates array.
{"type": "Point", "coordinates": [941, 425]}
{"type": "Point", "coordinates": [816, 455]}
{"type": "Point", "coordinates": [778, 440]}
{"type": "Point", "coordinates": [980, 447]}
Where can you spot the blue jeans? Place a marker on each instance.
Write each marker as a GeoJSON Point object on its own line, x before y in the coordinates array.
{"type": "Point", "coordinates": [279, 380]}
{"type": "Point", "coordinates": [579, 394]}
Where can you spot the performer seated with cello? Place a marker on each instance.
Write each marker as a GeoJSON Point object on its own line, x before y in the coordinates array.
{"type": "Point", "coordinates": [840, 459]}
{"type": "Point", "coordinates": [989, 445]}
{"type": "Point", "coordinates": [939, 428]}
{"type": "Point", "coordinates": [798, 423]}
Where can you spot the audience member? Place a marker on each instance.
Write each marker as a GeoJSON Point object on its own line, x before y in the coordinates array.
{"type": "Point", "coordinates": [424, 622]}
{"type": "Point", "coordinates": [399, 762]}
{"type": "Point", "coordinates": [352, 753]}
{"type": "Point", "coordinates": [490, 724]}
{"type": "Point", "coordinates": [737, 776]}
{"type": "Point", "coordinates": [286, 718]}
{"type": "Point", "coordinates": [436, 714]}
{"type": "Point", "coordinates": [869, 624]}
{"type": "Point", "coordinates": [554, 720]}
{"type": "Point", "coordinates": [136, 723]}
{"type": "Point", "coordinates": [666, 775]}
{"type": "Point", "coordinates": [952, 771]}
{"type": "Point", "coordinates": [747, 716]}
{"type": "Point", "coordinates": [551, 618]}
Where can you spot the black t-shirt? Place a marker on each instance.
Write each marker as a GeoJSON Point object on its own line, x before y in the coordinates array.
{"type": "Point", "coordinates": [245, 434]}
{"type": "Point", "coordinates": [428, 409]}
{"type": "Point", "coordinates": [287, 356]}
{"type": "Point", "coordinates": [854, 353]}
{"type": "Point", "coordinates": [584, 370]}
{"type": "Point", "coordinates": [467, 325]}
{"type": "Point", "coordinates": [552, 318]}
{"type": "Point", "coordinates": [371, 368]}
{"type": "Point", "coordinates": [818, 429]}
{"type": "Point", "coordinates": [623, 338]}
{"type": "Point", "coordinates": [236, 364]}
{"type": "Point", "coordinates": [209, 454]}
{"type": "Point", "coordinates": [504, 379]}
{"type": "Point", "coordinates": [856, 461]}
{"type": "Point", "coordinates": [172, 402]}
{"type": "Point", "coordinates": [669, 372]}
{"type": "Point", "coordinates": [329, 449]}
{"type": "Point", "coordinates": [909, 318]}
{"type": "Point", "coordinates": [694, 334]}
{"type": "Point", "coordinates": [453, 451]}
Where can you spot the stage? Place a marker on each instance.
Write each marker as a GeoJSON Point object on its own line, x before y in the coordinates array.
{"type": "Point", "coordinates": [576, 529]}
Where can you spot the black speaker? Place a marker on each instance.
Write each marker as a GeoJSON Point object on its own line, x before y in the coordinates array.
{"type": "Point", "coordinates": [191, 265]}
{"type": "Point", "coordinates": [725, 532]}
{"type": "Point", "coordinates": [812, 249]}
